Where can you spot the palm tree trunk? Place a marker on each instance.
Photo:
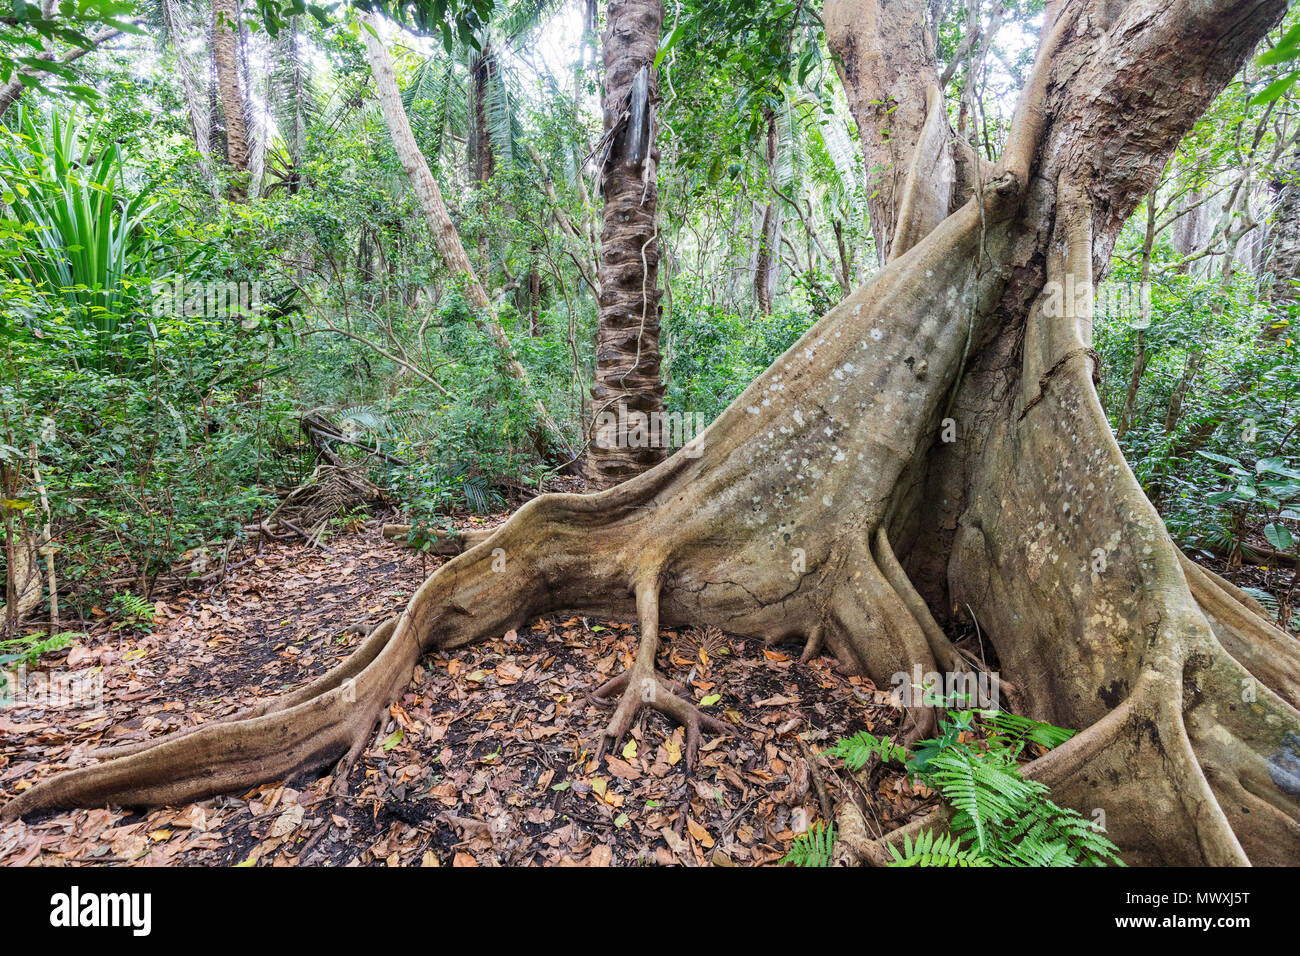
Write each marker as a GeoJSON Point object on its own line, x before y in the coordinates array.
{"type": "Point", "coordinates": [628, 387]}
{"type": "Point", "coordinates": [225, 54]}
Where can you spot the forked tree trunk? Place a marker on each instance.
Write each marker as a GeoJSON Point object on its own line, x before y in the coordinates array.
{"type": "Point", "coordinates": [824, 507]}
{"type": "Point", "coordinates": [225, 55]}
{"type": "Point", "coordinates": [627, 386]}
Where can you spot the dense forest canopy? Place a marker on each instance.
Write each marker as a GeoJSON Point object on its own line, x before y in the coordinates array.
{"type": "Point", "coordinates": [273, 273]}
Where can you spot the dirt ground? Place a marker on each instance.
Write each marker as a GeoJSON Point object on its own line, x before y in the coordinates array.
{"type": "Point", "coordinates": [484, 761]}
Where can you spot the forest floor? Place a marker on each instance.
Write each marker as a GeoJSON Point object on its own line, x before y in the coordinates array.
{"type": "Point", "coordinates": [484, 760]}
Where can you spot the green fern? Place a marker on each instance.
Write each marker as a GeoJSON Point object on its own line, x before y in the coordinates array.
{"type": "Point", "coordinates": [984, 793]}
{"type": "Point", "coordinates": [30, 647]}
{"type": "Point", "coordinates": [133, 612]}
{"type": "Point", "coordinates": [931, 850]}
{"type": "Point", "coordinates": [999, 818]}
{"type": "Point", "coordinates": [812, 847]}
{"type": "Point", "coordinates": [1023, 728]}
{"type": "Point", "coordinates": [857, 750]}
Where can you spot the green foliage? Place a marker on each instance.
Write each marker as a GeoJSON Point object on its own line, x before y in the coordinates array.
{"type": "Point", "coordinates": [132, 612]}
{"type": "Point", "coordinates": [78, 230]}
{"type": "Point", "coordinates": [813, 847]}
{"type": "Point", "coordinates": [931, 850]}
{"type": "Point", "coordinates": [999, 817]}
{"type": "Point", "coordinates": [28, 648]}
{"type": "Point", "coordinates": [74, 23]}
{"type": "Point", "coordinates": [855, 751]}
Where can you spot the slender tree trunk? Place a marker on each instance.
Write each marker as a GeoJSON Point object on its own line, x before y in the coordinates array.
{"type": "Point", "coordinates": [1140, 356]}
{"type": "Point", "coordinates": [627, 386]}
{"type": "Point", "coordinates": [1284, 254]}
{"type": "Point", "coordinates": [534, 296]}
{"type": "Point", "coordinates": [225, 55]}
{"type": "Point", "coordinates": [1284, 258]}
{"type": "Point", "coordinates": [1174, 413]}
{"type": "Point", "coordinates": [769, 230]}
{"type": "Point", "coordinates": [439, 219]}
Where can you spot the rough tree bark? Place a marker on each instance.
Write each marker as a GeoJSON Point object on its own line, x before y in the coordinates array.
{"type": "Point", "coordinates": [823, 507]}
{"type": "Point", "coordinates": [225, 55]}
{"type": "Point", "coordinates": [627, 382]}
{"type": "Point", "coordinates": [483, 69]}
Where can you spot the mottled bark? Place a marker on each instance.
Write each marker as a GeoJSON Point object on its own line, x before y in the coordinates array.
{"type": "Point", "coordinates": [627, 382]}
{"type": "Point", "coordinates": [885, 57]}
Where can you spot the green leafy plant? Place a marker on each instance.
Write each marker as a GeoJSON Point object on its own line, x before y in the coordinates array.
{"type": "Point", "coordinates": [1270, 489]}
{"type": "Point", "coordinates": [28, 648]}
{"type": "Point", "coordinates": [931, 850]}
{"type": "Point", "coordinates": [999, 817]}
{"type": "Point", "coordinates": [132, 612]}
{"type": "Point", "coordinates": [855, 751]}
{"type": "Point", "coordinates": [85, 243]}
{"type": "Point", "coordinates": [812, 847]}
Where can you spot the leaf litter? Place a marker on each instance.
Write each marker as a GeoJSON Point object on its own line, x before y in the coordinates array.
{"type": "Point", "coordinates": [484, 760]}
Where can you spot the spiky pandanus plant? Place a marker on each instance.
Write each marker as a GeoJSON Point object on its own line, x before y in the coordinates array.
{"type": "Point", "coordinates": [65, 182]}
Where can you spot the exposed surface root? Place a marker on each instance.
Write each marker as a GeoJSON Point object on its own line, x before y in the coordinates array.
{"type": "Point", "coordinates": [223, 757]}
{"type": "Point", "coordinates": [641, 687]}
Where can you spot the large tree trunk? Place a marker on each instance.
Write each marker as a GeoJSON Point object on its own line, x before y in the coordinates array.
{"type": "Point", "coordinates": [822, 506]}
{"type": "Point", "coordinates": [627, 386]}
{"type": "Point", "coordinates": [225, 54]}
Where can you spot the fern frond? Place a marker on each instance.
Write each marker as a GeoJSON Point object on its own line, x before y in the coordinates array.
{"type": "Point", "coordinates": [1025, 728]}
{"type": "Point", "coordinates": [855, 751]}
{"type": "Point", "coordinates": [982, 793]}
{"type": "Point", "coordinates": [812, 847]}
{"type": "Point", "coordinates": [931, 850]}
